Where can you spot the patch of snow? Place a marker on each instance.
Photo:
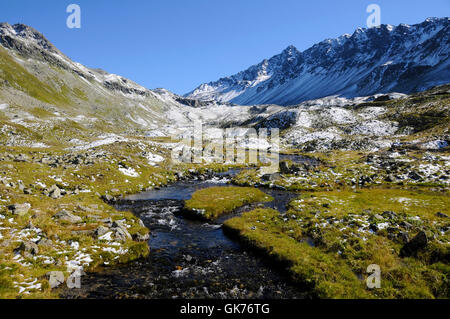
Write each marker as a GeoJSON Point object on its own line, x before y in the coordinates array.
{"type": "Point", "coordinates": [107, 236]}
{"type": "Point", "coordinates": [154, 159]}
{"type": "Point", "coordinates": [435, 145]}
{"type": "Point", "coordinates": [104, 140]}
{"type": "Point", "coordinates": [129, 171]}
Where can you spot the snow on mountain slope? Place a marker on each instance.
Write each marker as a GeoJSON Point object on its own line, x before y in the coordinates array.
{"type": "Point", "coordinates": [34, 74]}
{"type": "Point", "coordinates": [378, 60]}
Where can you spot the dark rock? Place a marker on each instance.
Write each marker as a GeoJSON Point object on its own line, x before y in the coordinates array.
{"type": "Point", "coordinates": [271, 177]}
{"type": "Point", "coordinates": [389, 214]}
{"type": "Point", "coordinates": [414, 176]}
{"type": "Point", "coordinates": [365, 180]}
{"type": "Point", "coordinates": [279, 187]}
{"type": "Point", "coordinates": [442, 215]}
{"type": "Point", "coordinates": [412, 247]}
{"type": "Point", "coordinates": [405, 225]}
{"type": "Point", "coordinates": [286, 168]}
{"type": "Point", "coordinates": [141, 238]}
{"type": "Point", "coordinates": [403, 237]}
{"type": "Point", "coordinates": [391, 230]}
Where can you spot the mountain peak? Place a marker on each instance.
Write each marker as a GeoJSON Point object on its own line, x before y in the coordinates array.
{"type": "Point", "coordinates": [289, 53]}
{"type": "Point", "coordinates": [377, 60]}
{"type": "Point", "coordinates": [10, 35]}
{"type": "Point", "coordinates": [290, 49]}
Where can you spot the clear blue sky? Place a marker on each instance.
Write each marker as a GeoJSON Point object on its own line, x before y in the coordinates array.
{"type": "Point", "coordinates": [179, 44]}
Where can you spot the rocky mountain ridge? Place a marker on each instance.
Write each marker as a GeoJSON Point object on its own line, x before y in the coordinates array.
{"type": "Point", "coordinates": [384, 59]}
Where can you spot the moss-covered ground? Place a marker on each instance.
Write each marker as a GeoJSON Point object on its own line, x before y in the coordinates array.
{"type": "Point", "coordinates": [211, 203]}
{"type": "Point", "coordinates": [330, 238]}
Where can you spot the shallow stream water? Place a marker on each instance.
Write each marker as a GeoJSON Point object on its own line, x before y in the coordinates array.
{"type": "Point", "coordinates": [190, 259]}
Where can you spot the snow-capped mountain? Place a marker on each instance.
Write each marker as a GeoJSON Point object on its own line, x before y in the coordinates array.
{"type": "Point", "coordinates": [48, 100]}
{"type": "Point", "coordinates": [384, 59]}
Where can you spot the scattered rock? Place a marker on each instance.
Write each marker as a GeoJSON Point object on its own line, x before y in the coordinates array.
{"type": "Point", "coordinates": [389, 214]}
{"type": "Point", "coordinates": [120, 231]}
{"type": "Point", "coordinates": [65, 216]}
{"type": "Point", "coordinates": [414, 176]}
{"type": "Point", "coordinates": [122, 235]}
{"type": "Point", "coordinates": [403, 237]}
{"type": "Point", "coordinates": [107, 221]}
{"type": "Point", "coordinates": [271, 177]}
{"type": "Point", "coordinates": [414, 245]}
{"type": "Point", "coordinates": [141, 238]}
{"type": "Point", "coordinates": [54, 192]}
{"type": "Point", "coordinates": [285, 167]}
{"type": "Point", "coordinates": [179, 175]}
{"type": "Point", "coordinates": [279, 187]}
{"type": "Point", "coordinates": [100, 231]}
{"type": "Point", "coordinates": [21, 186]}
{"type": "Point", "coordinates": [28, 249]}
{"type": "Point", "coordinates": [22, 158]}
{"type": "Point", "coordinates": [406, 225]}
{"type": "Point", "coordinates": [20, 209]}
{"type": "Point", "coordinates": [107, 198]}
{"type": "Point", "coordinates": [442, 215]}
{"type": "Point", "coordinates": [87, 209]}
